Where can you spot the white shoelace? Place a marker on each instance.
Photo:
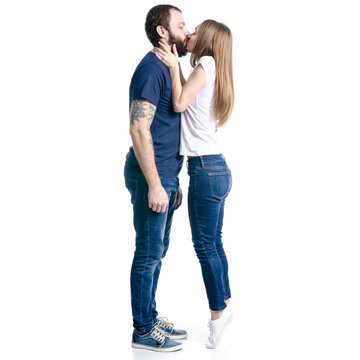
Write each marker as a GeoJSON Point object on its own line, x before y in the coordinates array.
{"type": "Point", "coordinates": [163, 321]}
{"type": "Point", "coordinates": [211, 326]}
{"type": "Point", "coordinates": [158, 335]}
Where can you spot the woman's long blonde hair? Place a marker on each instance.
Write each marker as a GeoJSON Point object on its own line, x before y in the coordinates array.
{"type": "Point", "coordinates": [215, 39]}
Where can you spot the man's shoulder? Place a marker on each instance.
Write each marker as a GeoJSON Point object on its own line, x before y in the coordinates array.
{"type": "Point", "coordinates": [150, 63]}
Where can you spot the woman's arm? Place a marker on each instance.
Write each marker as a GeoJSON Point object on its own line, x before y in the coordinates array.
{"type": "Point", "coordinates": [182, 79]}
{"type": "Point", "coordinates": [182, 95]}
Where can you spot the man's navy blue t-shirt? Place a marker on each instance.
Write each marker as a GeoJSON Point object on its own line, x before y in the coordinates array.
{"type": "Point", "coordinates": [151, 80]}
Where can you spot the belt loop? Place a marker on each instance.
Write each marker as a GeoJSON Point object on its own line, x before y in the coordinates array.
{"type": "Point", "coordinates": [202, 162]}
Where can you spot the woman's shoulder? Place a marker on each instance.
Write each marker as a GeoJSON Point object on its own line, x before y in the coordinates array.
{"type": "Point", "coordinates": [208, 64]}
{"type": "Point", "coordinates": [206, 59]}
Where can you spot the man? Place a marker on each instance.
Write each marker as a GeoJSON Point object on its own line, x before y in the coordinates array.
{"type": "Point", "coordinates": [151, 176]}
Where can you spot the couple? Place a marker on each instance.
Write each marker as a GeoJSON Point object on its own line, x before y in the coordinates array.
{"type": "Point", "coordinates": [158, 94]}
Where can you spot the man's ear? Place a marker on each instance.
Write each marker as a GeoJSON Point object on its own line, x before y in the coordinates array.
{"type": "Point", "coordinates": [161, 31]}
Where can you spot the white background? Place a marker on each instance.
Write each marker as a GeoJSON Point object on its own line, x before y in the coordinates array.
{"type": "Point", "coordinates": [291, 227]}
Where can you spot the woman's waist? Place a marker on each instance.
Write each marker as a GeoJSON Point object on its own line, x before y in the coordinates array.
{"type": "Point", "coordinates": [205, 161]}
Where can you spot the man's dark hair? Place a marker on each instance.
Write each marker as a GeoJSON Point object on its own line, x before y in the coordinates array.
{"type": "Point", "coordinates": [158, 15]}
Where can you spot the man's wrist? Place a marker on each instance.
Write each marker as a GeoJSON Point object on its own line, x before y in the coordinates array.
{"type": "Point", "coordinates": [154, 183]}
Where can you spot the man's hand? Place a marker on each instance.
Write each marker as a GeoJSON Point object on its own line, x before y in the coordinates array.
{"type": "Point", "coordinates": [158, 198]}
{"type": "Point", "coordinates": [179, 198]}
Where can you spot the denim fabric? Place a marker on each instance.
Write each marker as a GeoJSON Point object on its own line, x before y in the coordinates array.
{"type": "Point", "coordinates": [152, 242]}
{"type": "Point", "coordinates": [210, 183]}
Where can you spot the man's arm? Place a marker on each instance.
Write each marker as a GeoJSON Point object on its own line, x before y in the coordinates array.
{"type": "Point", "coordinates": [141, 116]}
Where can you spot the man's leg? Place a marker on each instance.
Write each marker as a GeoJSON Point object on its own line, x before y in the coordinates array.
{"type": "Point", "coordinates": [171, 186]}
{"type": "Point", "coordinates": [150, 229]}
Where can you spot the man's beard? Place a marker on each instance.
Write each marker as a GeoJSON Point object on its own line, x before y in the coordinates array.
{"type": "Point", "coordinates": [180, 46]}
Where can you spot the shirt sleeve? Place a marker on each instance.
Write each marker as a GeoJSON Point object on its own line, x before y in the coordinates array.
{"type": "Point", "coordinates": [208, 64]}
{"type": "Point", "coordinates": [147, 83]}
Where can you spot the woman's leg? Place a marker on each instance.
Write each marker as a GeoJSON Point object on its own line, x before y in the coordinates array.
{"type": "Point", "coordinates": [206, 216]}
{"type": "Point", "coordinates": [221, 252]}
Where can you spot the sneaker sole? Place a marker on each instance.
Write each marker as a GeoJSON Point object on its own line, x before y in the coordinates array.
{"type": "Point", "coordinates": [152, 348]}
{"type": "Point", "coordinates": [178, 337]}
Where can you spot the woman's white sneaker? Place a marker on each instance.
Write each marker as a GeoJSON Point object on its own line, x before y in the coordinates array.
{"type": "Point", "coordinates": [218, 326]}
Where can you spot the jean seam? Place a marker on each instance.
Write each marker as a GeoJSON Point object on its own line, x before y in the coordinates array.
{"type": "Point", "coordinates": [214, 167]}
{"type": "Point", "coordinates": [142, 276]}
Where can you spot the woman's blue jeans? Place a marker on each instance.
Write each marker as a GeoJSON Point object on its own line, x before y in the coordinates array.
{"type": "Point", "coordinates": [210, 183]}
{"type": "Point", "coordinates": [152, 242]}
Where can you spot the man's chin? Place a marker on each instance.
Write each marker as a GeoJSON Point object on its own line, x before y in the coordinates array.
{"type": "Point", "coordinates": [182, 51]}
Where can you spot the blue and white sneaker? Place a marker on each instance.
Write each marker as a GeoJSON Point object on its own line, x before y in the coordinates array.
{"type": "Point", "coordinates": [155, 340]}
{"type": "Point", "coordinates": [168, 328]}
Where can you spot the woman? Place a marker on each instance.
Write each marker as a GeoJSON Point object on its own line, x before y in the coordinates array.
{"type": "Point", "coordinates": [206, 101]}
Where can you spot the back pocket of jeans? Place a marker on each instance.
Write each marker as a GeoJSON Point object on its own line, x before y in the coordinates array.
{"type": "Point", "coordinates": [131, 185]}
{"type": "Point", "coordinates": [220, 184]}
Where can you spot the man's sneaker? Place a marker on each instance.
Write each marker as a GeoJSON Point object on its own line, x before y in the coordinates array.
{"type": "Point", "coordinates": [168, 328]}
{"type": "Point", "coordinates": [218, 326]}
{"type": "Point", "coordinates": [155, 340]}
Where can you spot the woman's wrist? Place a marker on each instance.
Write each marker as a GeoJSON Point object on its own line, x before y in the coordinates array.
{"type": "Point", "coordinates": [174, 68]}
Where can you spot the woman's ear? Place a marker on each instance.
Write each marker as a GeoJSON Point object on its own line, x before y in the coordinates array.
{"type": "Point", "coordinates": [161, 31]}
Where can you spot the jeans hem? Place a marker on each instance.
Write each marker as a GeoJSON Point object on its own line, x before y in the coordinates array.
{"type": "Point", "coordinates": [219, 309]}
{"type": "Point", "coordinates": [142, 333]}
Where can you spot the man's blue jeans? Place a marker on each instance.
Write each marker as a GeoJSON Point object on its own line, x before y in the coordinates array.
{"type": "Point", "coordinates": [210, 183]}
{"type": "Point", "coordinates": [152, 241]}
